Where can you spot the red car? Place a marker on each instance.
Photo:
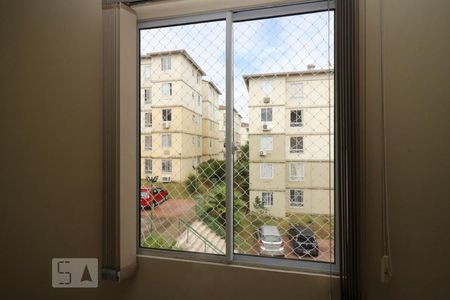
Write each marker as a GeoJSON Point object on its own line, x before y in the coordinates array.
{"type": "Point", "coordinates": [152, 196]}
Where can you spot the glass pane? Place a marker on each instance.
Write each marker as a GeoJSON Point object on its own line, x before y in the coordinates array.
{"type": "Point", "coordinates": [283, 90]}
{"type": "Point", "coordinates": [183, 171]}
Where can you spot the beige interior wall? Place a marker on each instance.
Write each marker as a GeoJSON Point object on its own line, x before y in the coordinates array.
{"type": "Point", "coordinates": [51, 153]}
{"type": "Point", "coordinates": [416, 47]}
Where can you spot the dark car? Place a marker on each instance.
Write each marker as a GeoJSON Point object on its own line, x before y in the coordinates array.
{"type": "Point", "coordinates": [303, 241]}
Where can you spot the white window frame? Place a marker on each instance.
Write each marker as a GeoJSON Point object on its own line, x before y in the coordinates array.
{"type": "Point", "coordinates": [166, 63]}
{"type": "Point", "coordinates": [166, 140]}
{"type": "Point", "coordinates": [166, 115]}
{"type": "Point", "coordinates": [148, 142]}
{"type": "Point", "coordinates": [297, 177]}
{"type": "Point", "coordinates": [296, 204]}
{"type": "Point", "coordinates": [293, 94]}
{"type": "Point", "coordinates": [296, 123]}
{"type": "Point", "coordinates": [297, 151]}
{"type": "Point", "coordinates": [148, 95]}
{"type": "Point", "coordinates": [147, 72]}
{"type": "Point", "coordinates": [261, 170]}
{"type": "Point", "coordinates": [167, 163]}
{"type": "Point", "coordinates": [263, 137]}
{"type": "Point", "coordinates": [148, 163]}
{"type": "Point", "coordinates": [148, 121]}
{"type": "Point", "coordinates": [265, 112]}
{"type": "Point", "coordinates": [166, 89]}
{"type": "Point", "coordinates": [267, 199]}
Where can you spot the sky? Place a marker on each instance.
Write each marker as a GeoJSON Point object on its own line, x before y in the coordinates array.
{"type": "Point", "coordinates": [281, 44]}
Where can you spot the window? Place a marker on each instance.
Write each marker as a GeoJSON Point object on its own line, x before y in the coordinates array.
{"type": "Point", "coordinates": [148, 166]}
{"type": "Point", "coordinates": [148, 119]}
{"type": "Point", "coordinates": [166, 89]}
{"type": "Point", "coordinates": [296, 118]}
{"type": "Point", "coordinates": [166, 140]}
{"type": "Point", "coordinates": [148, 142]}
{"type": "Point", "coordinates": [296, 171]}
{"type": "Point", "coordinates": [167, 114]}
{"type": "Point", "coordinates": [296, 144]}
{"type": "Point", "coordinates": [267, 199]}
{"type": "Point", "coordinates": [266, 114]}
{"type": "Point", "coordinates": [166, 166]}
{"type": "Point", "coordinates": [295, 90]}
{"type": "Point", "coordinates": [148, 96]}
{"type": "Point", "coordinates": [296, 198]}
{"type": "Point", "coordinates": [266, 87]}
{"type": "Point", "coordinates": [147, 72]}
{"type": "Point", "coordinates": [262, 68]}
{"type": "Point", "coordinates": [266, 143]}
{"type": "Point", "coordinates": [166, 63]}
{"type": "Point", "coordinates": [266, 171]}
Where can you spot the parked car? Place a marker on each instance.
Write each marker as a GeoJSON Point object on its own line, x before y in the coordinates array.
{"type": "Point", "coordinates": [303, 241]}
{"type": "Point", "coordinates": [270, 241]}
{"type": "Point", "coordinates": [152, 196]}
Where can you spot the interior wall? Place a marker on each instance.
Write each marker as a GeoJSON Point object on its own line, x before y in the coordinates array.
{"type": "Point", "coordinates": [51, 154]}
{"type": "Point", "coordinates": [416, 47]}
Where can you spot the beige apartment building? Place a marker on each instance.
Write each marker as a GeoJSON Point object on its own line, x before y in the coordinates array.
{"type": "Point", "coordinates": [291, 142]}
{"type": "Point", "coordinates": [173, 101]}
{"type": "Point", "coordinates": [210, 123]}
{"type": "Point", "coordinates": [244, 130]}
{"type": "Point", "coordinates": [237, 118]}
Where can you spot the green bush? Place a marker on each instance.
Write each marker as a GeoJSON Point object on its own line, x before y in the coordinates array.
{"type": "Point", "coordinates": [159, 242]}
{"type": "Point", "coordinates": [212, 170]}
{"type": "Point", "coordinates": [192, 184]}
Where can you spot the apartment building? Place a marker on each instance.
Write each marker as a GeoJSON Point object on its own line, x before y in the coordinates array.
{"type": "Point", "coordinates": [210, 123]}
{"type": "Point", "coordinates": [237, 118]}
{"type": "Point", "coordinates": [171, 115]}
{"type": "Point", "coordinates": [244, 133]}
{"type": "Point", "coordinates": [291, 142]}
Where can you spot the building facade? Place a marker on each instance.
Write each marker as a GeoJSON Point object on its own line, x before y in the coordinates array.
{"type": "Point", "coordinates": [172, 108]}
{"type": "Point", "coordinates": [291, 142]}
{"type": "Point", "coordinates": [210, 123]}
{"type": "Point", "coordinates": [236, 129]}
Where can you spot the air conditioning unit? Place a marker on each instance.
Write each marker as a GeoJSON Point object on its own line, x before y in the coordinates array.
{"type": "Point", "coordinates": [166, 124]}
{"type": "Point", "coordinates": [262, 153]}
{"type": "Point", "coordinates": [166, 179]}
{"type": "Point", "coordinates": [267, 127]}
{"type": "Point", "coordinates": [266, 99]}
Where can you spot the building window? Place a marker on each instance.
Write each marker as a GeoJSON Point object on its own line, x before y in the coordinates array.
{"type": "Point", "coordinates": [148, 142]}
{"type": "Point", "coordinates": [296, 198]}
{"type": "Point", "coordinates": [148, 119]}
{"type": "Point", "coordinates": [166, 140]}
{"type": "Point", "coordinates": [147, 72]}
{"type": "Point", "coordinates": [267, 199]}
{"type": "Point", "coordinates": [296, 118]}
{"type": "Point", "coordinates": [166, 89]}
{"type": "Point", "coordinates": [266, 143]}
{"type": "Point", "coordinates": [210, 143]}
{"type": "Point", "coordinates": [296, 90]}
{"type": "Point", "coordinates": [166, 165]}
{"type": "Point", "coordinates": [199, 100]}
{"type": "Point", "coordinates": [266, 171]}
{"type": "Point", "coordinates": [148, 166]}
{"type": "Point", "coordinates": [167, 115]}
{"type": "Point", "coordinates": [193, 140]}
{"type": "Point", "coordinates": [199, 78]}
{"type": "Point", "coordinates": [266, 114]}
{"type": "Point", "coordinates": [266, 87]}
{"type": "Point", "coordinates": [296, 144]}
{"type": "Point", "coordinates": [148, 96]}
{"type": "Point", "coordinates": [296, 172]}
{"type": "Point", "coordinates": [166, 63]}
{"type": "Point", "coordinates": [198, 141]}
